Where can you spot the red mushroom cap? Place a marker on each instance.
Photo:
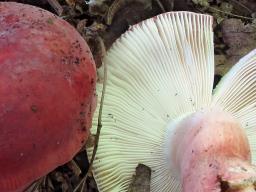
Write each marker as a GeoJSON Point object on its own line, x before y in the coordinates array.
{"type": "Point", "coordinates": [47, 86]}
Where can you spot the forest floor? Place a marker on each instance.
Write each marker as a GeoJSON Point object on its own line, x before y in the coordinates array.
{"type": "Point", "coordinates": [97, 20]}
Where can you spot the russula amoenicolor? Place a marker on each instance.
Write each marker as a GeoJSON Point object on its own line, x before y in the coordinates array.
{"type": "Point", "coordinates": [47, 85]}
{"type": "Point", "coordinates": [160, 110]}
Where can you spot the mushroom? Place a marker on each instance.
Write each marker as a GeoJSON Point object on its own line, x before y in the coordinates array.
{"type": "Point", "coordinates": [47, 86]}
{"type": "Point", "coordinates": [160, 110]}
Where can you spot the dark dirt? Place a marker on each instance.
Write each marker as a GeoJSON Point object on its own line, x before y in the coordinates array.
{"type": "Point", "coordinates": [235, 35]}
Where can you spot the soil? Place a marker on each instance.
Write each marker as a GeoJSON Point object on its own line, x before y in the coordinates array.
{"type": "Point", "coordinates": [97, 20]}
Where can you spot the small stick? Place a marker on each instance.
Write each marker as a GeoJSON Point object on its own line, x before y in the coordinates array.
{"type": "Point", "coordinates": [34, 186]}
{"type": "Point", "coordinates": [230, 14]}
{"type": "Point", "coordinates": [56, 6]}
{"type": "Point", "coordinates": [161, 6]}
{"type": "Point", "coordinates": [113, 9]}
{"type": "Point", "coordinates": [242, 5]}
{"type": "Point", "coordinates": [82, 182]}
{"type": "Point", "coordinates": [74, 167]}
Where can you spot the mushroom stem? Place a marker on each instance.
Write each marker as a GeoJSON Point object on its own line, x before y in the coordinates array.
{"type": "Point", "coordinates": [212, 153]}
{"type": "Point", "coordinates": [221, 174]}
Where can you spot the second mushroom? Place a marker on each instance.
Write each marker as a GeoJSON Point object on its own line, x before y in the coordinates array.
{"type": "Point", "coordinates": [160, 110]}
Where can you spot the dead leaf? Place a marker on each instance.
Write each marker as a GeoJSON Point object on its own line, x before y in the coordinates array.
{"type": "Point", "coordinates": [239, 37]}
{"type": "Point", "coordinates": [226, 7]}
{"type": "Point", "coordinates": [98, 7]}
{"type": "Point", "coordinates": [91, 140]}
{"type": "Point", "coordinates": [126, 16]}
{"type": "Point", "coordinates": [243, 7]}
{"type": "Point", "coordinates": [63, 181]}
{"type": "Point", "coordinates": [204, 3]}
{"type": "Point", "coordinates": [141, 180]}
{"type": "Point", "coordinates": [92, 36]}
{"type": "Point", "coordinates": [56, 6]}
{"type": "Point", "coordinates": [119, 4]}
{"type": "Point", "coordinates": [220, 64]}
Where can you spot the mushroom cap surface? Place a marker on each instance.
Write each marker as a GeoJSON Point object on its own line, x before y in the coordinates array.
{"type": "Point", "coordinates": [47, 86]}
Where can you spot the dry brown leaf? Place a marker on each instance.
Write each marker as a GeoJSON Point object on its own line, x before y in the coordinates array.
{"type": "Point", "coordinates": [141, 180]}
{"type": "Point", "coordinates": [92, 36]}
{"type": "Point", "coordinates": [220, 64]}
{"type": "Point", "coordinates": [126, 16]}
{"type": "Point", "coordinates": [117, 5]}
{"type": "Point", "coordinates": [243, 7]}
{"type": "Point", "coordinates": [98, 7]}
{"type": "Point", "coordinates": [239, 37]}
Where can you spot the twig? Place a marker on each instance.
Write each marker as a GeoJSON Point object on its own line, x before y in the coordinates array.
{"type": "Point", "coordinates": [74, 167]}
{"type": "Point", "coordinates": [101, 106]}
{"type": "Point", "coordinates": [56, 6]}
{"type": "Point", "coordinates": [231, 14]}
{"type": "Point", "coordinates": [83, 186]}
{"type": "Point", "coordinates": [34, 186]}
{"type": "Point", "coordinates": [242, 5]}
{"type": "Point", "coordinates": [161, 6]}
{"type": "Point", "coordinates": [99, 126]}
{"type": "Point", "coordinates": [113, 9]}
